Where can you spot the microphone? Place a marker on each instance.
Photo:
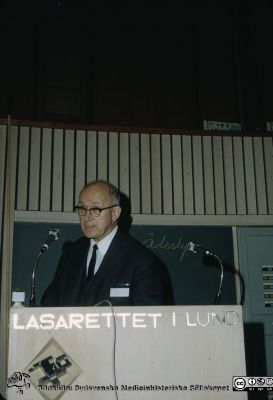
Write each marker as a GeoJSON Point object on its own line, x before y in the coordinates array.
{"type": "Point", "coordinates": [53, 235]}
{"type": "Point", "coordinates": [196, 248]}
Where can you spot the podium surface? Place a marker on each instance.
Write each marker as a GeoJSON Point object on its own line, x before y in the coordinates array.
{"type": "Point", "coordinates": [189, 352]}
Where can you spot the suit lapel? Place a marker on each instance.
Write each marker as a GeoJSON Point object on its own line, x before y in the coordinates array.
{"type": "Point", "coordinates": [79, 270]}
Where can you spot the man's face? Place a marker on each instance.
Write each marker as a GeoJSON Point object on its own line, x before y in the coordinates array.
{"type": "Point", "coordinates": [97, 228]}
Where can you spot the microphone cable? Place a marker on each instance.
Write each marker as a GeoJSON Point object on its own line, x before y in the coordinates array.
{"type": "Point", "coordinates": [114, 343]}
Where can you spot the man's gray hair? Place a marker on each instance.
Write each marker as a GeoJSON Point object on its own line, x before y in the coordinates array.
{"type": "Point", "coordinates": [113, 190]}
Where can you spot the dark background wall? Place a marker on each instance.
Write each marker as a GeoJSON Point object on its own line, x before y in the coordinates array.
{"type": "Point", "coordinates": [193, 279]}
{"type": "Point", "coordinates": [170, 67]}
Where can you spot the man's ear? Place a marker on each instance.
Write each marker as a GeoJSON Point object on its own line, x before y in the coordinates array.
{"type": "Point", "coordinates": [116, 213]}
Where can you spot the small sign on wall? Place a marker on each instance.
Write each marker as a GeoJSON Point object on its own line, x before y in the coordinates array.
{"type": "Point", "coordinates": [221, 126]}
{"type": "Point", "coordinates": [267, 276]}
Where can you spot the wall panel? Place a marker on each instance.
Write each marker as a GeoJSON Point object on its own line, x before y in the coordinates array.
{"type": "Point", "coordinates": [167, 182]}
{"type": "Point", "coordinates": [198, 178]}
{"type": "Point", "coordinates": [268, 163]}
{"type": "Point", "coordinates": [239, 170]}
{"type": "Point", "coordinates": [34, 169]}
{"type": "Point", "coordinates": [187, 175]}
{"type": "Point", "coordinates": [208, 176]}
{"type": "Point", "coordinates": [260, 176]}
{"type": "Point", "coordinates": [113, 170]}
{"type": "Point", "coordinates": [102, 155]}
{"type": "Point", "coordinates": [156, 174]}
{"type": "Point", "coordinates": [91, 155]}
{"type": "Point", "coordinates": [163, 174]}
{"type": "Point", "coordinates": [177, 177]}
{"type": "Point", "coordinates": [46, 166]}
{"type": "Point", "coordinates": [145, 176]}
{"type": "Point", "coordinates": [251, 199]}
{"type": "Point", "coordinates": [68, 182]}
{"type": "Point", "coordinates": [57, 170]}
{"type": "Point", "coordinates": [23, 169]}
{"type": "Point", "coordinates": [3, 152]}
{"type": "Point", "coordinates": [124, 163]}
{"type": "Point", "coordinates": [134, 159]}
{"type": "Point", "coordinates": [219, 176]}
{"type": "Point", "coordinates": [229, 175]}
{"type": "Point", "coordinates": [80, 161]}
{"type": "Point", "coordinates": [9, 138]}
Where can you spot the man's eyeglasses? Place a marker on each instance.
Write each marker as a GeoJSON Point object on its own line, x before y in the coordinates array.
{"type": "Point", "coordinates": [94, 211]}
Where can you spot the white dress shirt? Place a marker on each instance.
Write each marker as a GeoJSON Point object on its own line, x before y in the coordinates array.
{"type": "Point", "coordinates": [103, 246]}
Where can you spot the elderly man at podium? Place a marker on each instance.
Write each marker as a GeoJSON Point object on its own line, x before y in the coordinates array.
{"type": "Point", "coordinates": [106, 263]}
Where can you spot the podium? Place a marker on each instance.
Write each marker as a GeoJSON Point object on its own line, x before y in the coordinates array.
{"type": "Point", "coordinates": [189, 352]}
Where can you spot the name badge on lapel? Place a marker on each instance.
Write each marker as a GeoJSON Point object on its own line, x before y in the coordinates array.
{"type": "Point", "coordinates": [123, 291]}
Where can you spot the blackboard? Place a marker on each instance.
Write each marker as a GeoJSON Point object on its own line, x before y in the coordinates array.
{"type": "Point", "coordinates": [193, 281]}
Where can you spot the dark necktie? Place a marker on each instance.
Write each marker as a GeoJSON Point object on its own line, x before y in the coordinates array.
{"type": "Point", "coordinates": [92, 263]}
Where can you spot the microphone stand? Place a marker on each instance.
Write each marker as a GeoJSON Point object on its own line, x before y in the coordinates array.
{"type": "Point", "coordinates": [53, 235]}
{"type": "Point", "coordinates": [32, 299]}
{"type": "Point", "coordinates": [218, 295]}
{"type": "Point", "coordinates": [195, 248]}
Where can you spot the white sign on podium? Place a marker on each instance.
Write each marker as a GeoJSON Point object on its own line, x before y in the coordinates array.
{"type": "Point", "coordinates": [189, 352]}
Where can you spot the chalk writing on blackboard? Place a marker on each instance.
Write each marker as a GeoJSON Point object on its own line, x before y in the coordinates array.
{"type": "Point", "coordinates": [164, 243]}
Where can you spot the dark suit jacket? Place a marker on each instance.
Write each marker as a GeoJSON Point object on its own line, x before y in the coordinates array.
{"type": "Point", "coordinates": [127, 264]}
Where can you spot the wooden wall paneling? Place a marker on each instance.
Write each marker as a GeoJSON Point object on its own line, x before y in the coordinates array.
{"type": "Point", "coordinates": [177, 168]}
{"type": "Point", "coordinates": [69, 171]}
{"type": "Point", "coordinates": [145, 168]}
{"type": "Point", "coordinates": [102, 155]}
{"type": "Point", "coordinates": [208, 175]}
{"type": "Point", "coordinates": [250, 176]}
{"type": "Point", "coordinates": [229, 176]}
{"type": "Point", "coordinates": [57, 175]}
{"type": "Point", "coordinates": [198, 181]}
{"type": "Point", "coordinates": [91, 157]}
{"type": "Point", "coordinates": [80, 161]}
{"type": "Point", "coordinates": [268, 161]}
{"type": "Point", "coordinates": [135, 173]}
{"type": "Point", "coordinates": [113, 172]}
{"type": "Point", "coordinates": [3, 153]}
{"type": "Point", "coordinates": [260, 175]}
{"type": "Point", "coordinates": [157, 192]}
{"type": "Point", "coordinates": [23, 168]}
{"type": "Point", "coordinates": [46, 166]}
{"type": "Point", "coordinates": [187, 175]}
{"type": "Point", "coordinates": [124, 163]}
{"type": "Point", "coordinates": [3, 173]}
{"type": "Point", "coordinates": [7, 249]}
{"type": "Point", "coordinates": [239, 173]}
{"type": "Point", "coordinates": [219, 186]}
{"type": "Point", "coordinates": [34, 168]}
{"type": "Point", "coordinates": [167, 173]}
